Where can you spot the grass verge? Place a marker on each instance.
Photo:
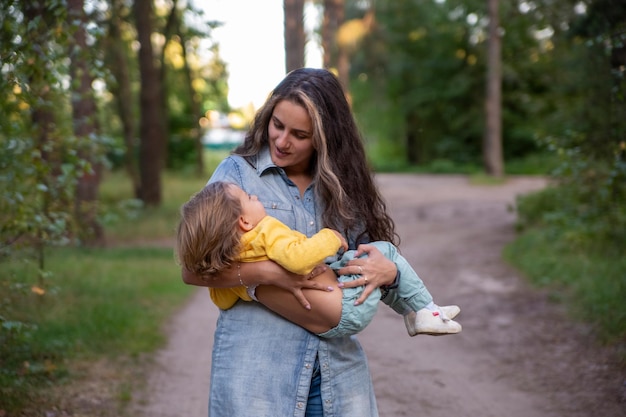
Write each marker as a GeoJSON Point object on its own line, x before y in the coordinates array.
{"type": "Point", "coordinates": [102, 307]}
{"type": "Point", "coordinates": [92, 314]}
{"type": "Point", "coordinates": [591, 282]}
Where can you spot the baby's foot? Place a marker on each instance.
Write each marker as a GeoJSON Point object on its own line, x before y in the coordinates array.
{"type": "Point", "coordinates": [433, 321]}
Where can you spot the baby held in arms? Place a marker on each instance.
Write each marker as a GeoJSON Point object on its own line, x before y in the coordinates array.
{"type": "Point", "coordinates": [222, 225]}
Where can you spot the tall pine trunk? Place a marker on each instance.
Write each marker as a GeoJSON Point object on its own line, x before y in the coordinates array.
{"type": "Point", "coordinates": [84, 119]}
{"type": "Point", "coordinates": [295, 38]}
{"type": "Point", "coordinates": [122, 92]}
{"type": "Point", "coordinates": [152, 139]}
{"type": "Point", "coordinates": [492, 143]}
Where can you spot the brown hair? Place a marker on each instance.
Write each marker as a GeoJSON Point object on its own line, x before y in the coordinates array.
{"type": "Point", "coordinates": [207, 238]}
{"type": "Point", "coordinates": [343, 179]}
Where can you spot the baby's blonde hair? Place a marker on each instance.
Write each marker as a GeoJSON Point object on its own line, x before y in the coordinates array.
{"type": "Point", "coordinates": [207, 238]}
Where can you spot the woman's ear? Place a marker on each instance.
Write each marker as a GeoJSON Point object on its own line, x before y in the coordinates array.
{"type": "Point", "coordinates": [244, 224]}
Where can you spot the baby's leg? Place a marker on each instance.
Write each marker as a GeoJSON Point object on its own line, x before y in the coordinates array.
{"type": "Point", "coordinates": [411, 294]}
{"type": "Point", "coordinates": [325, 311]}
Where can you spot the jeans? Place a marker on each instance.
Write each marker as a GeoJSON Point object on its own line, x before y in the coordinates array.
{"type": "Point", "coordinates": [314, 404]}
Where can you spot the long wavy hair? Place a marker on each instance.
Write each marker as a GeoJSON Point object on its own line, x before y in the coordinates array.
{"type": "Point", "coordinates": [207, 237]}
{"type": "Point", "coordinates": [342, 176]}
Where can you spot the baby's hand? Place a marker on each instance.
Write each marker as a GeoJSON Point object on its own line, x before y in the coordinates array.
{"type": "Point", "coordinates": [344, 243]}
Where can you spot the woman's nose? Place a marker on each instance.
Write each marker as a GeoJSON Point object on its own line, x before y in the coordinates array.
{"type": "Point", "coordinates": [282, 140]}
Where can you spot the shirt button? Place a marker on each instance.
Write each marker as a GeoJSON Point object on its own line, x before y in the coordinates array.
{"type": "Point", "coordinates": [311, 223]}
{"type": "Point", "coordinates": [307, 366]}
{"type": "Point", "coordinates": [274, 205]}
{"type": "Point", "coordinates": [300, 405]}
{"type": "Point", "coordinates": [325, 366]}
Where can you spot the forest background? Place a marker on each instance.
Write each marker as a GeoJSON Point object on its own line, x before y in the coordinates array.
{"type": "Point", "coordinates": [105, 104]}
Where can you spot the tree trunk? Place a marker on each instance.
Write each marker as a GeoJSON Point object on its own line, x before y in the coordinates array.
{"type": "Point", "coordinates": [152, 138]}
{"type": "Point", "coordinates": [123, 93]}
{"type": "Point", "coordinates": [333, 18]}
{"type": "Point", "coordinates": [413, 142]}
{"type": "Point", "coordinates": [42, 113]}
{"type": "Point", "coordinates": [85, 128]}
{"type": "Point", "coordinates": [172, 26]}
{"type": "Point", "coordinates": [195, 110]}
{"type": "Point", "coordinates": [336, 55]}
{"type": "Point", "coordinates": [295, 38]}
{"type": "Point", "coordinates": [492, 144]}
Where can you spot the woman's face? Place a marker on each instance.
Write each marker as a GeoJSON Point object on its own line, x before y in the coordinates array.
{"type": "Point", "coordinates": [290, 138]}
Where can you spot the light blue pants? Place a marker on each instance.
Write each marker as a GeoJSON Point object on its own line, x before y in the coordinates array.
{"type": "Point", "coordinates": [410, 295]}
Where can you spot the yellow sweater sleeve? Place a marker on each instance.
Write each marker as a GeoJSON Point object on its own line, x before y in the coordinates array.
{"type": "Point", "coordinates": [292, 249]}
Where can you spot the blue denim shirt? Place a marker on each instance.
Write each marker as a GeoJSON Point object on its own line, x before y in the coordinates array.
{"type": "Point", "coordinates": [262, 364]}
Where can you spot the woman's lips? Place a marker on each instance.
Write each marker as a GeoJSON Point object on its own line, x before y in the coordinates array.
{"type": "Point", "coordinates": [280, 154]}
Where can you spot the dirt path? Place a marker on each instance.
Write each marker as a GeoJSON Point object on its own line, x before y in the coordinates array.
{"type": "Point", "coordinates": [516, 357]}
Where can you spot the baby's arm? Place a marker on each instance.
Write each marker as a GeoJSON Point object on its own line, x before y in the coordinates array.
{"type": "Point", "coordinates": [297, 253]}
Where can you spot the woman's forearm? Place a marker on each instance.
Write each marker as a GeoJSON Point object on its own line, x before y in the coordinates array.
{"type": "Point", "coordinates": [243, 273]}
{"type": "Point", "coordinates": [261, 273]}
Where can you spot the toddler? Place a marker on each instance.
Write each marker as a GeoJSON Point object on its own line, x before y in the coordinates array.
{"type": "Point", "coordinates": [222, 225]}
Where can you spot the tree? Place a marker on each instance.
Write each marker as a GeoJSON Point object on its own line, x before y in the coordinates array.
{"type": "Point", "coordinates": [295, 38]}
{"type": "Point", "coordinates": [196, 111]}
{"type": "Point", "coordinates": [85, 128]}
{"type": "Point", "coordinates": [332, 19]}
{"type": "Point", "coordinates": [492, 144]}
{"type": "Point", "coordinates": [151, 131]}
{"type": "Point", "coordinates": [118, 63]}
{"type": "Point", "coordinates": [432, 77]}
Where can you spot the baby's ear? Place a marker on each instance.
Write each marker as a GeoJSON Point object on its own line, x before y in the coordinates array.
{"type": "Point", "coordinates": [244, 224]}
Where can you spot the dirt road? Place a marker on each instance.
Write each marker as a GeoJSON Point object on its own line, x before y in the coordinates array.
{"type": "Point", "coordinates": [518, 356]}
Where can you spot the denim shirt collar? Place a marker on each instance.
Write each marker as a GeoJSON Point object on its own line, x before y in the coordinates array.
{"type": "Point", "coordinates": [264, 161]}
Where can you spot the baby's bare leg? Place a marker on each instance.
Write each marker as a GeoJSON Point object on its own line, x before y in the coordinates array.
{"type": "Point", "coordinates": [325, 311]}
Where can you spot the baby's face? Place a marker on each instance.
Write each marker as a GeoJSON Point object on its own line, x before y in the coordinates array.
{"type": "Point", "coordinates": [251, 208]}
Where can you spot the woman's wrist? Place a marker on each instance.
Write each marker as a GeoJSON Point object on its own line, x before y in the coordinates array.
{"type": "Point", "coordinates": [395, 282]}
{"type": "Point", "coordinates": [239, 275]}
{"type": "Point", "coordinates": [249, 274]}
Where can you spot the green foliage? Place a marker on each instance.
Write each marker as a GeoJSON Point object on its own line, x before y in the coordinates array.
{"type": "Point", "coordinates": [151, 223]}
{"type": "Point", "coordinates": [419, 77]}
{"type": "Point", "coordinates": [98, 303]}
{"type": "Point", "coordinates": [587, 206]}
{"type": "Point", "coordinates": [588, 278]}
{"type": "Point", "coordinates": [436, 91]}
{"type": "Point", "coordinates": [575, 231]}
{"type": "Point", "coordinates": [92, 303]}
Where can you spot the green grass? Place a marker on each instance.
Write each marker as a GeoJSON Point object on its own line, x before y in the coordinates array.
{"type": "Point", "coordinates": [149, 223]}
{"type": "Point", "coordinates": [152, 223]}
{"type": "Point", "coordinates": [91, 305]}
{"type": "Point", "coordinates": [94, 303]}
{"type": "Point", "coordinates": [591, 282]}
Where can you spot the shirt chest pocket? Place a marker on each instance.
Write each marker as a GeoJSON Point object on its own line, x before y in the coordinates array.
{"type": "Point", "coordinates": [281, 211]}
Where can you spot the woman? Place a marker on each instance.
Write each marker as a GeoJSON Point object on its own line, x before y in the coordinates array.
{"type": "Point", "coordinates": [305, 156]}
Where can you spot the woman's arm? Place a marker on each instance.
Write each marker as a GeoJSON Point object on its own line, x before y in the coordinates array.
{"type": "Point", "coordinates": [260, 273]}
{"type": "Point", "coordinates": [375, 270]}
{"type": "Point", "coordinates": [325, 311]}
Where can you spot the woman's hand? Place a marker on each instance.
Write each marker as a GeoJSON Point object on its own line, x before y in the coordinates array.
{"type": "Point", "coordinates": [375, 271]}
